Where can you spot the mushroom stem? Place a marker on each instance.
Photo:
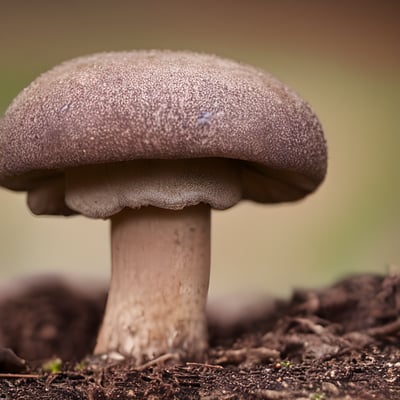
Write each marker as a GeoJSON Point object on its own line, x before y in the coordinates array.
{"type": "Point", "coordinates": [158, 291]}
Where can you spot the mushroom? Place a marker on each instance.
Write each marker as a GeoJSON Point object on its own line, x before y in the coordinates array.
{"type": "Point", "coordinates": [153, 140]}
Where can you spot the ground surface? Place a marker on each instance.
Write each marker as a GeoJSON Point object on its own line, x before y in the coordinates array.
{"type": "Point", "coordinates": [342, 342]}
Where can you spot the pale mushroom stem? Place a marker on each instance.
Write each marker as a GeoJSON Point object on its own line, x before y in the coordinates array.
{"type": "Point", "coordinates": [159, 284]}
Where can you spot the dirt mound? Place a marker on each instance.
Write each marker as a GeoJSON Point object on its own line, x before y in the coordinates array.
{"type": "Point", "coordinates": [342, 342]}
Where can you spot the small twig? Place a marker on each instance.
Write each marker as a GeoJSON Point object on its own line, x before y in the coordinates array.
{"type": "Point", "coordinates": [195, 364]}
{"type": "Point", "coordinates": [50, 380]}
{"type": "Point", "coordinates": [22, 376]}
{"type": "Point", "coordinates": [388, 329]}
{"type": "Point", "coordinates": [157, 361]}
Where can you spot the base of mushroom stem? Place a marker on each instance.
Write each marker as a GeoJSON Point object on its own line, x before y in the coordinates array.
{"type": "Point", "coordinates": [114, 357]}
{"type": "Point", "coordinates": [159, 284]}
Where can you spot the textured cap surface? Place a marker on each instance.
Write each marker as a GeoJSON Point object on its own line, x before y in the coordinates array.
{"type": "Point", "coordinates": [113, 107]}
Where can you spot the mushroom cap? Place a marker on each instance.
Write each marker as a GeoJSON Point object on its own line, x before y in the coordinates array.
{"type": "Point", "coordinates": [123, 106]}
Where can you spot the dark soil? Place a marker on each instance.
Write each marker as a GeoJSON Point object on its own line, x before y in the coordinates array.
{"type": "Point", "coordinates": [342, 342]}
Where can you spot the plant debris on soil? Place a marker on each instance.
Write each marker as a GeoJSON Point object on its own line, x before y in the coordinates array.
{"type": "Point", "coordinates": [341, 342]}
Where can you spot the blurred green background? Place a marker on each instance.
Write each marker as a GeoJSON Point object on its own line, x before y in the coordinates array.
{"type": "Point", "coordinates": [342, 56]}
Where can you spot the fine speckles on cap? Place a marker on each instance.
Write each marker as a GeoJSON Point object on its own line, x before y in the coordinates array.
{"type": "Point", "coordinates": [113, 107]}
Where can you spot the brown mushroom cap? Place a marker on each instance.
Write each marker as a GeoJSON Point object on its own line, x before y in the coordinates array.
{"type": "Point", "coordinates": [115, 107]}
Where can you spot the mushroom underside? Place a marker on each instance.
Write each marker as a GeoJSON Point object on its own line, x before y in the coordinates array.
{"type": "Point", "coordinates": [102, 190]}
